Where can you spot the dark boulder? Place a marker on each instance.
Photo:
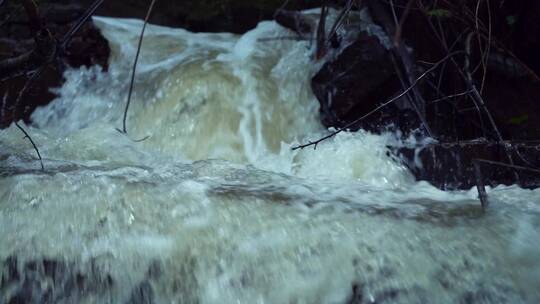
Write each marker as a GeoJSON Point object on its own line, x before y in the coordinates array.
{"type": "Point", "coordinates": [496, 123]}
{"type": "Point", "coordinates": [57, 280]}
{"type": "Point", "coordinates": [295, 21]}
{"type": "Point", "coordinates": [355, 82]}
{"type": "Point", "coordinates": [44, 280]}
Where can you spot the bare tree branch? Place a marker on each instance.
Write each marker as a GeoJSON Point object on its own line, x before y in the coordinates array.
{"type": "Point", "coordinates": [26, 135]}
{"type": "Point", "coordinates": [520, 168]}
{"type": "Point", "coordinates": [427, 72]}
{"type": "Point", "coordinates": [80, 22]}
{"type": "Point", "coordinates": [148, 13]}
{"type": "Point", "coordinates": [321, 34]}
{"type": "Point", "coordinates": [416, 101]}
{"type": "Point", "coordinates": [34, 19]}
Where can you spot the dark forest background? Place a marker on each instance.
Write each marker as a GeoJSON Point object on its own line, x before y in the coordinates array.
{"type": "Point", "coordinates": [463, 72]}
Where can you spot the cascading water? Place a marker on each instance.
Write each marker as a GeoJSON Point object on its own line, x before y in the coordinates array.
{"type": "Point", "coordinates": [215, 207]}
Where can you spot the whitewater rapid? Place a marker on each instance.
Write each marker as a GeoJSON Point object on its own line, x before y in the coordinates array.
{"type": "Point", "coordinates": [215, 207]}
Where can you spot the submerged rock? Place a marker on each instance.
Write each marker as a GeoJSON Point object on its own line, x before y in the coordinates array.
{"type": "Point", "coordinates": [45, 280]}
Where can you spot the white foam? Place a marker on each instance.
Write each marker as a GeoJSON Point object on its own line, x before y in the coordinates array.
{"type": "Point", "coordinates": [219, 201]}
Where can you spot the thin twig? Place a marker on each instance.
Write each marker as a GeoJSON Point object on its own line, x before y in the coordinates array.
{"type": "Point", "coordinates": [441, 39]}
{"type": "Point", "coordinates": [523, 159]}
{"type": "Point", "coordinates": [43, 41]}
{"type": "Point", "coordinates": [480, 186]}
{"type": "Point", "coordinates": [148, 13]}
{"type": "Point", "coordinates": [451, 96]}
{"type": "Point", "coordinates": [4, 105]}
{"type": "Point", "coordinates": [282, 7]}
{"type": "Point", "coordinates": [477, 97]}
{"type": "Point", "coordinates": [399, 26]}
{"type": "Point", "coordinates": [468, 77]}
{"type": "Point", "coordinates": [407, 69]}
{"type": "Point", "coordinates": [74, 29]}
{"type": "Point", "coordinates": [19, 99]}
{"type": "Point", "coordinates": [26, 135]}
{"type": "Point", "coordinates": [468, 119]}
{"type": "Point", "coordinates": [315, 143]}
{"type": "Point", "coordinates": [321, 34]}
{"type": "Point", "coordinates": [295, 38]}
{"type": "Point", "coordinates": [488, 49]}
{"type": "Point", "coordinates": [511, 166]}
{"type": "Point", "coordinates": [34, 19]}
{"type": "Point", "coordinates": [47, 48]}
{"type": "Point", "coordinates": [482, 195]}
{"type": "Point", "coordinates": [341, 17]}
{"type": "Point", "coordinates": [33, 13]}
{"type": "Point", "coordinates": [35, 76]}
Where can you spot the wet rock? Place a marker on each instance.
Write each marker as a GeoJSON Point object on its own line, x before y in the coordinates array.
{"type": "Point", "coordinates": [357, 294]}
{"type": "Point", "coordinates": [491, 294]}
{"type": "Point", "coordinates": [142, 294]}
{"type": "Point", "coordinates": [54, 280]}
{"type": "Point", "coordinates": [388, 295]}
{"type": "Point", "coordinates": [49, 281]}
{"type": "Point", "coordinates": [295, 21]}
{"type": "Point", "coordinates": [355, 82]}
{"type": "Point", "coordinates": [450, 166]}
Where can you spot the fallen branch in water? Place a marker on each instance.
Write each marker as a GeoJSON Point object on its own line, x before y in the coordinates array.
{"type": "Point", "coordinates": [148, 13]}
{"type": "Point", "coordinates": [427, 72]}
{"type": "Point", "coordinates": [482, 194]}
{"type": "Point", "coordinates": [478, 100]}
{"type": "Point", "coordinates": [515, 167]}
{"type": "Point", "coordinates": [480, 187]}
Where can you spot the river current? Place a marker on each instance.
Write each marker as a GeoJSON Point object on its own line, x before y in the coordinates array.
{"type": "Point", "coordinates": [215, 207]}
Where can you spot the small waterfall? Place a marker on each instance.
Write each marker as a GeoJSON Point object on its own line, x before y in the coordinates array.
{"type": "Point", "coordinates": [215, 207]}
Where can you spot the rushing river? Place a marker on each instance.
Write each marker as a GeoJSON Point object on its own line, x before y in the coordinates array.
{"type": "Point", "coordinates": [215, 207]}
